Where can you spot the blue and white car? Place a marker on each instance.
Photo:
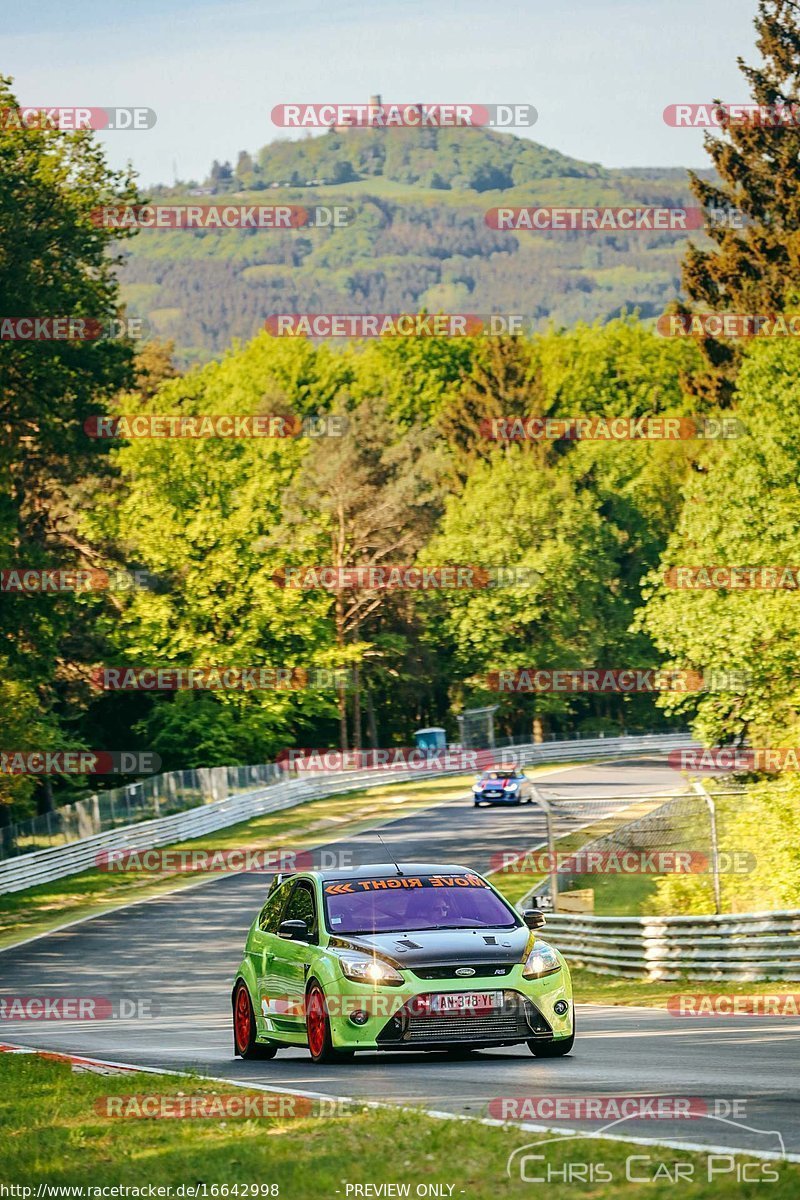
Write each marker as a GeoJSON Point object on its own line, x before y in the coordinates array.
{"type": "Point", "coordinates": [502, 785]}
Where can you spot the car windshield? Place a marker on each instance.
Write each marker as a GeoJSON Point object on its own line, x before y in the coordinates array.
{"type": "Point", "coordinates": [501, 775]}
{"type": "Point", "coordinates": [403, 903]}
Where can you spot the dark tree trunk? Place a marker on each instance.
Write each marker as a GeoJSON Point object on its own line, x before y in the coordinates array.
{"type": "Point", "coordinates": [44, 797]}
{"type": "Point", "coordinates": [372, 728]}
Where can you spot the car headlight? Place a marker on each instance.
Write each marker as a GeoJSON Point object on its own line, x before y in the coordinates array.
{"type": "Point", "coordinates": [476, 787]}
{"type": "Point", "coordinates": [361, 969]}
{"type": "Point", "coordinates": [511, 787]}
{"type": "Point", "coordinates": [542, 960]}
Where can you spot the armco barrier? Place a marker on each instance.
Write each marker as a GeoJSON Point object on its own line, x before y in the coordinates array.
{"type": "Point", "coordinates": [43, 866]}
{"type": "Point", "coordinates": [741, 946]}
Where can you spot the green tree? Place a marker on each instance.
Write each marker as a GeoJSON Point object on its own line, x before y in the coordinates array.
{"type": "Point", "coordinates": [741, 509]}
{"type": "Point", "coordinates": [754, 269]}
{"type": "Point", "coordinates": [762, 824]}
{"type": "Point", "coordinates": [198, 513]}
{"type": "Point", "coordinates": [55, 261]}
{"type": "Point", "coordinates": [368, 499]}
{"type": "Point", "coordinates": [500, 381]}
{"type": "Point", "coordinates": [565, 614]}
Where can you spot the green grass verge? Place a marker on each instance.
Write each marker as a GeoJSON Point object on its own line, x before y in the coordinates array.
{"type": "Point", "coordinates": [55, 1135]}
{"type": "Point", "coordinates": [591, 988]}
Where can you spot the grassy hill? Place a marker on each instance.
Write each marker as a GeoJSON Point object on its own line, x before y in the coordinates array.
{"type": "Point", "coordinates": [459, 159]}
{"type": "Point", "coordinates": [419, 238]}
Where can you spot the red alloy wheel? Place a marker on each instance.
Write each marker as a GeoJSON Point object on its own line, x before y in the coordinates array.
{"type": "Point", "coordinates": [315, 1021]}
{"type": "Point", "coordinates": [242, 1018]}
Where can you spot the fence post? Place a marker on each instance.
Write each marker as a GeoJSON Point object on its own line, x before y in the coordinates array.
{"type": "Point", "coordinates": [712, 814]}
{"type": "Point", "coordinates": [551, 848]}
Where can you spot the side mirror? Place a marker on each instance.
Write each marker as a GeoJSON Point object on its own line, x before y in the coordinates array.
{"type": "Point", "coordinates": [296, 931]}
{"type": "Point", "coordinates": [533, 918]}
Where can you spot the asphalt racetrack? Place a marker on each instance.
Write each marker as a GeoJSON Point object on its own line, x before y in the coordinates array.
{"type": "Point", "coordinates": [181, 951]}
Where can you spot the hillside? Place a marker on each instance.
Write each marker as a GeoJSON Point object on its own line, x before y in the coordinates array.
{"type": "Point", "coordinates": [477, 160]}
{"type": "Point", "coordinates": [419, 239]}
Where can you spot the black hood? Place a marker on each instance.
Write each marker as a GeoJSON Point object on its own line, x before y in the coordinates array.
{"type": "Point", "coordinates": [434, 947]}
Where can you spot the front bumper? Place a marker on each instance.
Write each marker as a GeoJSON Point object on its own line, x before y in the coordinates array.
{"type": "Point", "coordinates": [503, 798]}
{"type": "Point", "coordinates": [401, 1018]}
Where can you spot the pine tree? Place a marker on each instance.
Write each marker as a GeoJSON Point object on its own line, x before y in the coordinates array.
{"type": "Point", "coordinates": [755, 268]}
{"type": "Point", "coordinates": [501, 383]}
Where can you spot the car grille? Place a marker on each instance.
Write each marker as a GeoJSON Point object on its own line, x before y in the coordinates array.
{"type": "Point", "coordinates": [483, 970]}
{"type": "Point", "coordinates": [516, 1021]}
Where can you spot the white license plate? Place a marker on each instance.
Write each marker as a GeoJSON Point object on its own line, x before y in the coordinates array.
{"type": "Point", "coordinates": [465, 1001]}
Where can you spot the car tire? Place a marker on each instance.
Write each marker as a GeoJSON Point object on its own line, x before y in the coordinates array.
{"type": "Point", "coordinates": [476, 804]}
{"type": "Point", "coordinates": [244, 1027]}
{"type": "Point", "coordinates": [552, 1047]}
{"type": "Point", "coordinates": [318, 1028]}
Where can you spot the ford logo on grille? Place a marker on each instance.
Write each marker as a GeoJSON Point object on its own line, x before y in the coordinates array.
{"type": "Point", "coordinates": [465, 971]}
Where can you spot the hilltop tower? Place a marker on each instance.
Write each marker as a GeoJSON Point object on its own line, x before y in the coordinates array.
{"type": "Point", "coordinates": [374, 102]}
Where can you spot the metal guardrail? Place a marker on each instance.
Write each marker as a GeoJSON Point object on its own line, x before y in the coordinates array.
{"type": "Point", "coordinates": [155, 796]}
{"type": "Point", "coordinates": [44, 866]}
{"type": "Point", "coordinates": [739, 946]}
{"type": "Point", "coordinates": [161, 796]}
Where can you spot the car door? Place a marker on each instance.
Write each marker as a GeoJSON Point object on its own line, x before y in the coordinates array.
{"type": "Point", "coordinates": [293, 957]}
{"type": "Point", "coordinates": [261, 945]}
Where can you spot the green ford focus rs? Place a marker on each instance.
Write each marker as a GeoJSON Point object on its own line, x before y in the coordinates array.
{"type": "Point", "coordinates": [407, 956]}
